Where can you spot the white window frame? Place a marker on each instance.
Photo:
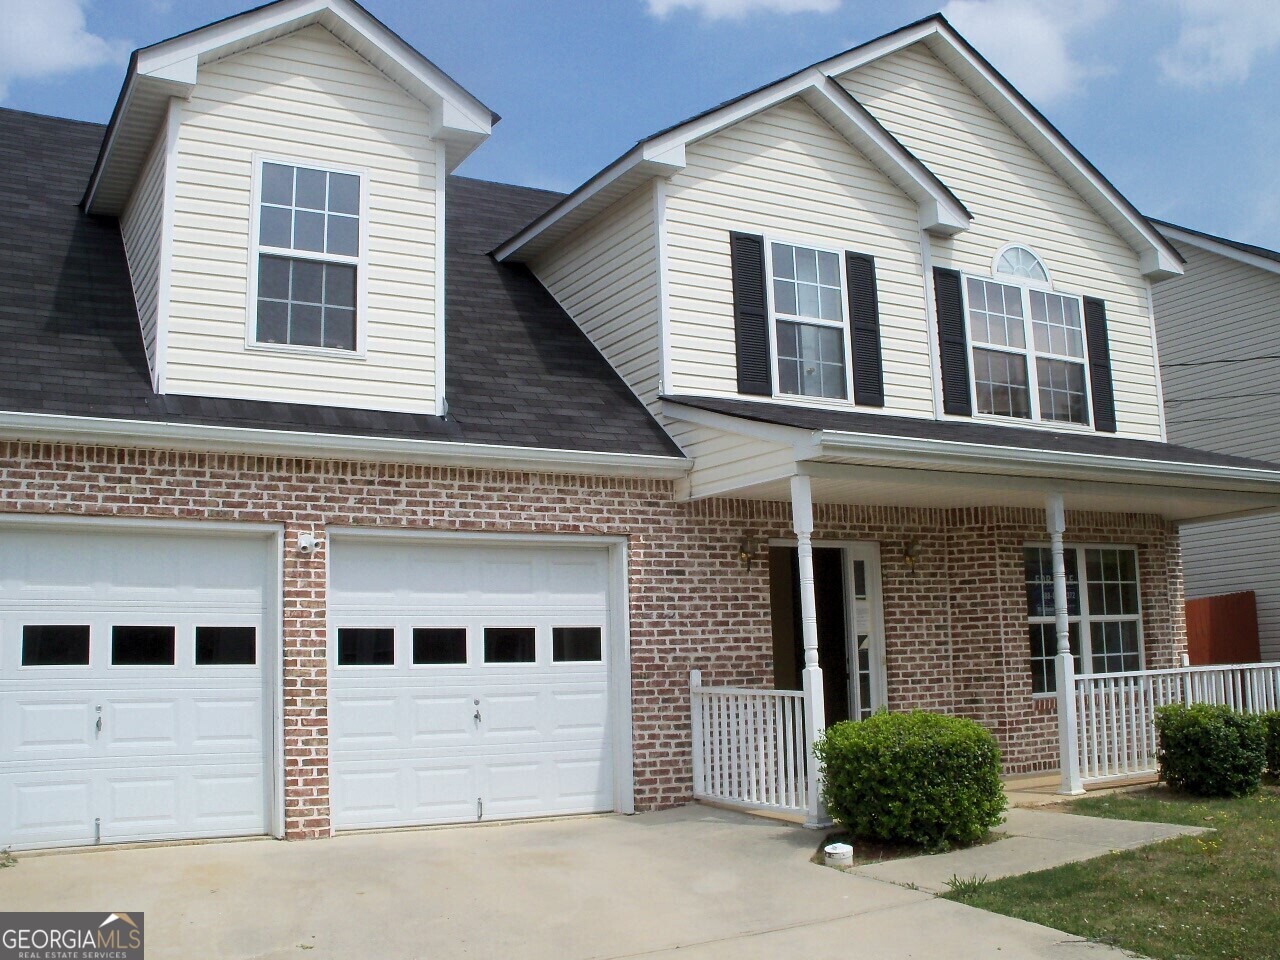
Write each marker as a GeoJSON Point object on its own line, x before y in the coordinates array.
{"type": "Point", "coordinates": [1029, 352]}
{"type": "Point", "coordinates": [1084, 618]}
{"type": "Point", "coordinates": [361, 262]}
{"type": "Point", "coordinates": [1046, 285]}
{"type": "Point", "coordinates": [842, 325]}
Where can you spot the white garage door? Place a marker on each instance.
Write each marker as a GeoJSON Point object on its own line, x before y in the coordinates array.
{"type": "Point", "coordinates": [467, 682]}
{"type": "Point", "coordinates": [132, 699]}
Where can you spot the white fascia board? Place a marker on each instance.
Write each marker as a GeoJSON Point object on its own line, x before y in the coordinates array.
{"type": "Point", "coordinates": [1157, 258]}
{"type": "Point", "coordinates": [53, 428]}
{"type": "Point", "coordinates": [949, 454]}
{"type": "Point", "coordinates": [1221, 249]}
{"type": "Point", "coordinates": [637, 165]}
{"type": "Point", "coordinates": [939, 210]}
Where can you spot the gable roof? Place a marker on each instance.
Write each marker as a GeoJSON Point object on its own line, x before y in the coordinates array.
{"type": "Point", "coordinates": [1248, 253]}
{"type": "Point", "coordinates": [521, 373]}
{"type": "Point", "coordinates": [663, 153]}
{"type": "Point", "coordinates": [171, 68]}
{"type": "Point", "coordinates": [656, 155]}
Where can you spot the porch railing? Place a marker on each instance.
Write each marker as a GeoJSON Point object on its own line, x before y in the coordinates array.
{"type": "Point", "coordinates": [749, 747]}
{"type": "Point", "coordinates": [1115, 712]}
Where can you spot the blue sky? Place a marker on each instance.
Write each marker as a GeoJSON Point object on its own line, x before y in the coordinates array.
{"type": "Point", "coordinates": [1173, 99]}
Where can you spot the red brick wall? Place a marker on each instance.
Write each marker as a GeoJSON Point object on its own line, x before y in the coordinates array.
{"type": "Point", "coordinates": [955, 632]}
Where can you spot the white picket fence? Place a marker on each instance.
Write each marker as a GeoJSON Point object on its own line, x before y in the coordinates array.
{"type": "Point", "coordinates": [1115, 712]}
{"type": "Point", "coordinates": [749, 747]}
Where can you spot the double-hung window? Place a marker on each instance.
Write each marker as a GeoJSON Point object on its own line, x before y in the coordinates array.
{"type": "Point", "coordinates": [807, 294]}
{"type": "Point", "coordinates": [1104, 620]}
{"type": "Point", "coordinates": [308, 256]}
{"type": "Point", "coordinates": [1028, 344]}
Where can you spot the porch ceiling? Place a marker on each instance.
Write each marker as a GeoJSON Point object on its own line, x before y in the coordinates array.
{"type": "Point", "coordinates": [834, 482]}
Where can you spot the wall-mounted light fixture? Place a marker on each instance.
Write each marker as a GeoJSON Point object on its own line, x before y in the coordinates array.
{"type": "Point", "coordinates": [747, 551]}
{"type": "Point", "coordinates": [910, 554]}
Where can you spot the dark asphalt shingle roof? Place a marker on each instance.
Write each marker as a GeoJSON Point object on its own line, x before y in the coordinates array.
{"type": "Point", "coordinates": [1234, 244]}
{"type": "Point", "coordinates": [967, 431]}
{"type": "Point", "coordinates": [518, 370]}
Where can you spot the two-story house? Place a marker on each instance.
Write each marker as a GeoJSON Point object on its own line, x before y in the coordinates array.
{"type": "Point", "coordinates": [1217, 326]}
{"type": "Point", "coordinates": [339, 491]}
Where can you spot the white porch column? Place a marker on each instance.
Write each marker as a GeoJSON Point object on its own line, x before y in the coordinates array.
{"type": "Point", "coordinates": [1064, 663]}
{"type": "Point", "coordinates": [814, 705]}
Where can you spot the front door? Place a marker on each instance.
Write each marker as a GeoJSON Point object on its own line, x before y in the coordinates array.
{"type": "Point", "coordinates": [846, 588]}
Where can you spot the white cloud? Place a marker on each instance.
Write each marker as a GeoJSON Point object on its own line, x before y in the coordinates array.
{"type": "Point", "coordinates": [737, 9]}
{"type": "Point", "coordinates": [1219, 41]}
{"type": "Point", "coordinates": [43, 38]}
{"type": "Point", "coordinates": [1031, 41]}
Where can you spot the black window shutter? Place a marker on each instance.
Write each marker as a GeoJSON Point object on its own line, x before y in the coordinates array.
{"type": "Point", "coordinates": [751, 315]}
{"type": "Point", "coordinates": [864, 329]}
{"type": "Point", "coordinates": [1095, 331]}
{"type": "Point", "coordinates": [953, 343]}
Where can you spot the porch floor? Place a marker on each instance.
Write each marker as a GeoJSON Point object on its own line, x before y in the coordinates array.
{"type": "Point", "coordinates": [1041, 789]}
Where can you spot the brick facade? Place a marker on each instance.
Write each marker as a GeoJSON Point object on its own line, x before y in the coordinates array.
{"type": "Point", "coordinates": [955, 629]}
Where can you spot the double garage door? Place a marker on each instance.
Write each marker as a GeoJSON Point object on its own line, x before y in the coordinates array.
{"type": "Point", "coordinates": [134, 702]}
{"type": "Point", "coordinates": [467, 682]}
{"type": "Point", "coordinates": [139, 669]}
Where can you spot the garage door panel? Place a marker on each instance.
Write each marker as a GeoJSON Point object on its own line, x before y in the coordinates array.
{"type": "Point", "coordinates": [542, 741]}
{"type": "Point", "coordinates": [182, 747]}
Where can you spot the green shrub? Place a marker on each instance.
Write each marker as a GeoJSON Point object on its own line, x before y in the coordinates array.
{"type": "Point", "coordinates": [1271, 721]}
{"type": "Point", "coordinates": [1210, 751]}
{"type": "Point", "coordinates": [920, 778]}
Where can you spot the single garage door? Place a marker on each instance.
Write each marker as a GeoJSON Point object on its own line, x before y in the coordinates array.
{"type": "Point", "coordinates": [467, 681]}
{"type": "Point", "coordinates": [133, 703]}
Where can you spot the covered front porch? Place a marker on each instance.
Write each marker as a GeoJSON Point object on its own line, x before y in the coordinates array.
{"type": "Point", "coordinates": [1037, 591]}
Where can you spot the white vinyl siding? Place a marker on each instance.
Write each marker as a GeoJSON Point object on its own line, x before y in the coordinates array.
{"type": "Point", "coordinates": [725, 463]}
{"type": "Point", "coordinates": [785, 173]}
{"type": "Point", "coordinates": [1233, 556]}
{"type": "Point", "coordinates": [308, 98]}
{"type": "Point", "coordinates": [141, 227]}
{"type": "Point", "coordinates": [1221, 308]}
{"type": "Point", "coordinates": [1014, 195]}
{"type": "Point", "coordinates": [605, 277]}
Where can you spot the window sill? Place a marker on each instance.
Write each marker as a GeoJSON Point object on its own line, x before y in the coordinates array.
{"type": "Point", "coordinates": [1020, 422]}
{"type": "Point", "coordinates": [289, 349]}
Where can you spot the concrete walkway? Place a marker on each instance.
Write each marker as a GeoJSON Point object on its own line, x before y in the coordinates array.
{"type": "Point", "coordinates": [686, 884]}
{"type": "Point", "coordinates": [1034, 840]}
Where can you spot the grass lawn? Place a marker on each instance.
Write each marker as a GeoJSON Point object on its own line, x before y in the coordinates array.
{"type": "Point", "coordinates": [1194, 898]}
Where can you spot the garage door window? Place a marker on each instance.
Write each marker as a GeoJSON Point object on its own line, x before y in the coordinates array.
{"type": "Point", "coordinates": [55, 645]}
{"type": "Point", "coordinates": [509, 645]}
{"type": "Point", "coordinates": [575, 644]}
{"type": "Point", "coordinates": [439, 646]}
{"type": "Point", "coordinates": [366, 647]}
{"type": "Point", "coordinates": [142, 646]}
{"type": "Point", "coordinates": [226, 646]}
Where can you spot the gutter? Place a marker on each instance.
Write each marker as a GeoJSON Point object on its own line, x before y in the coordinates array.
{"type": "Point", "coordinates": [53, 428]}
{"type": "Point", "coordinates": [949, 454]}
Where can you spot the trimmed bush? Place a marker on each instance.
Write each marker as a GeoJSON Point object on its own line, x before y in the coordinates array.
{"type": "Point", "coordinates": [1271, 721]}
{"type": "Point", "coordinates": [919, 778]}
{"type": "Point", "coordinates": [1211, 751]}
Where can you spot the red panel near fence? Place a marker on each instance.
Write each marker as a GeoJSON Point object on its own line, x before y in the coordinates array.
{"type": "Point", "coordinates": [1223, 629]}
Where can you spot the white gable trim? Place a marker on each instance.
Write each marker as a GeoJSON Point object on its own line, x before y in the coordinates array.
{"type": "Point", "coordinates": [1213, 245]}
{"type": "Point", "coordinates": [940, 211]}
{"type": "Point", "coordinates": [1158, 260]}
{"type": "Point", "coordinates": [171, 69]}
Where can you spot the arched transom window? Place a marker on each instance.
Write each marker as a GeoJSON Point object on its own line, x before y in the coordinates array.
{"type": "Point", "coordinates": [1022, 263]}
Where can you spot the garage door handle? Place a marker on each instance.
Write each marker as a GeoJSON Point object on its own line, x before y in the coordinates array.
{"type": "Point", "coordinates": [477, 717]}
{"type": "Point", "coordinates": [98, 725]}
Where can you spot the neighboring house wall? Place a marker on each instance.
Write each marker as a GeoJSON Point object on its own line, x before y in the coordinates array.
{"type": "Point", "coordinates": [304, 97]}
{"type": "Point", "coordinates": [1222, 308]}
{"type": "Point", "coordinates": [605, 277]}
{"type": "Point", "coordinates": [141, 227]}
{"type": "Point", "coordinates": [955, 625]}
{"type": "Point", "coordinates": [1015, 196]}
{"type": "Point", "coordinates": [786, 173]}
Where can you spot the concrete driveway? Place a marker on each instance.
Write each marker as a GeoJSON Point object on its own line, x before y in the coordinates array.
{"type": "Point", "coordinates": [694, 883]}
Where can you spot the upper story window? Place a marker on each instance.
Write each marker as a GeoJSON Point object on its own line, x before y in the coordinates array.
{"type": "Point", "coordinates": [308, 257]}
{"type": "Point", "coordinates": [809, 327]}
{"type": "Point", "coordinates": [1028, 344]}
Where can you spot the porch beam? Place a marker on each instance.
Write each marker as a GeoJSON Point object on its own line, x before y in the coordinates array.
{"type": "Point", "coordinates": [811, 676]}
{"type": "Point", "coordinates": [1064, 663]}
